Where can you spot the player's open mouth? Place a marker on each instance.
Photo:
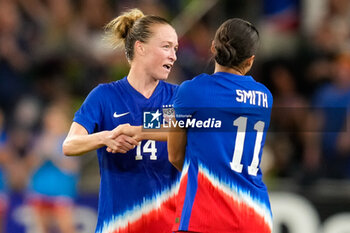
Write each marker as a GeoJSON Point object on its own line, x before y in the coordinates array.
{"type": "Point", "coordinates": [168, 66]}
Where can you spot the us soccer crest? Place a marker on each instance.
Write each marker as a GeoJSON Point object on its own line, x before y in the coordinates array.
{"type": "Point", "coordinates": [168, 114]}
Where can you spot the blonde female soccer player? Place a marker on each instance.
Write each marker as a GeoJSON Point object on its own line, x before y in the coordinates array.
{"type": "Point", "coordinates": [138, 183]}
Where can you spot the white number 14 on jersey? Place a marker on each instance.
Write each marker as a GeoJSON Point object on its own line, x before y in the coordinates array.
{"type": "Point", "coordinates": [149, 147]}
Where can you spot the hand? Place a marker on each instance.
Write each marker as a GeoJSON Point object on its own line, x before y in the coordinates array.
{"type": "Point", "coordinates": [129, 130]}
{"type": "Point", "coordinates": [122, 144]}
{"type": "Point", "coordinates": [123, 140]}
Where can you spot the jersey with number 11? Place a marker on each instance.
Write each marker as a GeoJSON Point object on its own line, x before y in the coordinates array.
{"type": "Point", "coordinates": [221, 187]}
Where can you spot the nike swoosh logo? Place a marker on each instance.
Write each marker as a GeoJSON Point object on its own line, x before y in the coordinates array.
{"type": "Point", "coordinates": [120, 115]}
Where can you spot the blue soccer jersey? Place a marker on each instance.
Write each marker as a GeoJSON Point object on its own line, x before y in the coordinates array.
{"type": "Point", "coordinates": [137, 189]}
{"type": "Point", "coordinates": [221, 188]}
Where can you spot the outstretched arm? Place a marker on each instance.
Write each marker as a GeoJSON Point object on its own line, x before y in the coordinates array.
{"type": "Point", "coordinates": [140, 134]}
{"type": "Point", "coordinates": [144, 134]}
{"type": "Point", "coordinates": [78, 141]}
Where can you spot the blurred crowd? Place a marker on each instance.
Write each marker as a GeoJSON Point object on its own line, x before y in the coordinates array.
{"type": "Point", "coordinates": [52, 53]}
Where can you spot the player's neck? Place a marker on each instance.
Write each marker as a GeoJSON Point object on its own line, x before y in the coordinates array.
{"type": "Point", "coordinates": [220, 68]}
{"type": "Point", "coordinates": [141, 83]}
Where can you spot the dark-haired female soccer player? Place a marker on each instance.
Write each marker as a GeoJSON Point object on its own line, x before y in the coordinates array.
{"type": "Point", "coordinates": [221, 187]}
{"type": "Point", "coordinates": [138, 184]}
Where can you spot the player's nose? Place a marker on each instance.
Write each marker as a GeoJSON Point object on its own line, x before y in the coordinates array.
{"type": "Point", "coordinates": [172, 55]}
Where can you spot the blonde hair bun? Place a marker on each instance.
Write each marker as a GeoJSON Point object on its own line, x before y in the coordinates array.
{"type": "Point", "coordinates": [118, 29]}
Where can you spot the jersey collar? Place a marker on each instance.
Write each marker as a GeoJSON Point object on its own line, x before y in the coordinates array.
{"type": "Point", "coordinates": [235, 76]}
{"type": "Point", "coordinates": [132, 90]}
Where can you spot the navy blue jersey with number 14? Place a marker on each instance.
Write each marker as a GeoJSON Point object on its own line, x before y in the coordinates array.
{"type": "Point", "coordinates": [137, 189]}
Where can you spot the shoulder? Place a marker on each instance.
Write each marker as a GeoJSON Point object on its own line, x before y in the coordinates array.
{"type": "Point", "coordinates": [118, 85]}
{"type": "Point", "coordinates": [101, 89]}
{"type": "Point", "coordinates": [169, 86]}
{"type": "Point", "coordinates": [168, 89]}
{"type": "Point", "coordinates": [190, 91]}
{"type": "Point", "coordinates": [193, 83]}
{"type": "Point", "coordinates": [263, 88]}
{"type": "Point", "coordinates": [102, 92]}
{"type": "Point", "coordinates": [201, 78]}
{"type": "Point", "coordinates": [255, 89]}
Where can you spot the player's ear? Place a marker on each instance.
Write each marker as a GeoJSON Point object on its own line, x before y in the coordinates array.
{"type": "Point", "coordinates": [248, 63]}
{"type": "Point", "coordinates": [212, 48]}
{"type": "Point", "coordinates": [139, 48]}
{"type": "Point", "coordinates": [250, 60]}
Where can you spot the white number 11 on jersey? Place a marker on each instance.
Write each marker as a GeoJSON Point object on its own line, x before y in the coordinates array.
{"type": "Point", "coordinates": [241, 123]}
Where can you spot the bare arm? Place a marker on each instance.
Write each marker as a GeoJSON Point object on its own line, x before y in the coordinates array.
{"type": "Point", "coordinates": [78, 141]}
{"type": "Point", "coordinates": [156, 136]}
{"type": "Point", "coordinates": [177, 140]}
{"type": "Point", "coordinates": [144, 134]}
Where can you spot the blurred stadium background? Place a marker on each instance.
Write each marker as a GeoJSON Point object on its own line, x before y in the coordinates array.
{"type": "Point", "coordinates": [52, 54]}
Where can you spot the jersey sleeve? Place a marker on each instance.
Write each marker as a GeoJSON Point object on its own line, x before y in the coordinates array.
{"type": "Point", "coordinates": [184, 101]}
{"type": "Point", "coordinates": [89, 114]}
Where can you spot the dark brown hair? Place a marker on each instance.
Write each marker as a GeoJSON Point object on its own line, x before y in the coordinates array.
{"type": "Point", "coordinates": [235, 40]}
{"type": "Point", "coordinates": [129, 27]}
